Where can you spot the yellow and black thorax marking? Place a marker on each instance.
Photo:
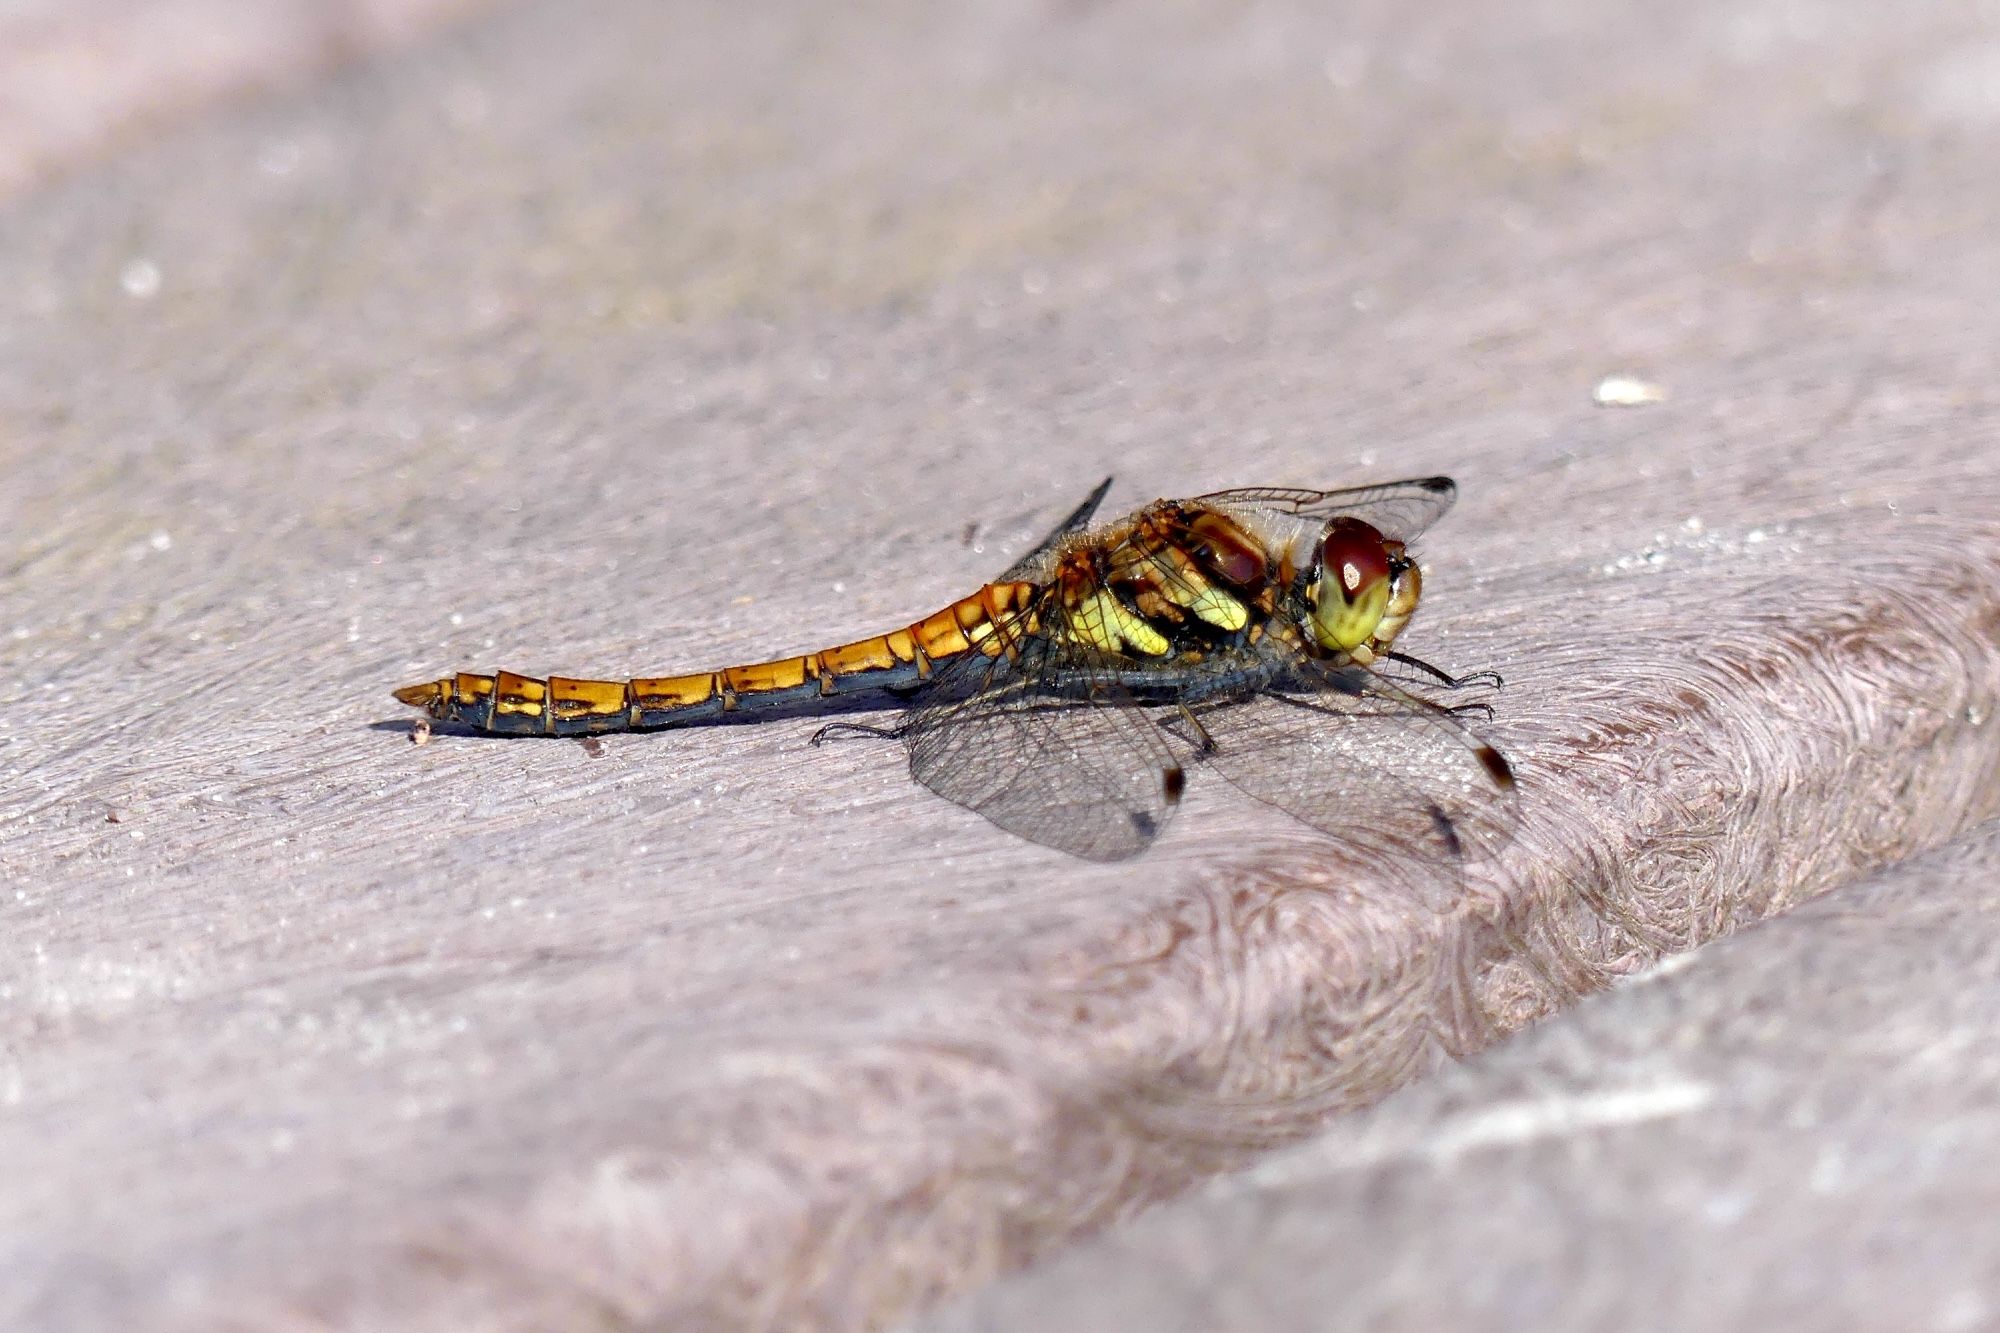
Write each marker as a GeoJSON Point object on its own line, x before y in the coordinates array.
{"type": "Point", "coordinates": [1174, 584]}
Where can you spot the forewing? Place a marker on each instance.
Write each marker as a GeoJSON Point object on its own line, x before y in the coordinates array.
{"type": "Point", "coordinates": [1399, 510]}
{"type": "Point", "coordinates": [1078, 519]}
{"type": "Point", "coordinates": [1365, 760]}
{"type": "Point", "coordinates": [1046, 748]}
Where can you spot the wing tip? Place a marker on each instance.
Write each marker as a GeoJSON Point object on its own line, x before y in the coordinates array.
{"type": "Point", "coordinates": [1497, 767]}
{"type": "Point", "coordinates": [1441, 824]}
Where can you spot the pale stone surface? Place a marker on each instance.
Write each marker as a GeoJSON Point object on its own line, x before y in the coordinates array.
{"type": "Point", "coordinates": [698, 333]}
{"type": "Point", "coordinates": [77, 76]}
{"type": "Point", "coordinates": [1792, 1129]}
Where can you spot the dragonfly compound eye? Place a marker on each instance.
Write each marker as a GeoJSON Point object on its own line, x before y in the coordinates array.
{"type": "Point", "coordinates": [1406, 587]}
{"type": "Point", "coordinates": [1350, 594]}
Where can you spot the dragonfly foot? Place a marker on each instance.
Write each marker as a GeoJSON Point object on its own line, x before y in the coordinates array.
{"type": "Point", "coordinates": [1476, 680]}
{"type": "Point", "coordinates": [837, 729]}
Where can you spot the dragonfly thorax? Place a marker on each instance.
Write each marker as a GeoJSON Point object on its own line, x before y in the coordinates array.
{"type": "Point", "coordinates": [1172, 582]}
{"type": "Point", "coordinates": [1179, 579]}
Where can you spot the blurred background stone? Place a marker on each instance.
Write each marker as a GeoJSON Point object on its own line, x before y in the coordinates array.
{"type": "Point", "coordinates": [79, 76]}
{"type": "Point", "coordinates": [699, 333]}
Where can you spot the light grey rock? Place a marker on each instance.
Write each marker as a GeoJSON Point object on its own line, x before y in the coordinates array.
{"type": "Point", "coordinates": [1790, 1129]}
{"type": "Point", "coordinates": [690, 334]}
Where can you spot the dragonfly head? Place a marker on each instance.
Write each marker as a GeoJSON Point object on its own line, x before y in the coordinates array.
{"type": "Point", "coordinates": [1363, 589]}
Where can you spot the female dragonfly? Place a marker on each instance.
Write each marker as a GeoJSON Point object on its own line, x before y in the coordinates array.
{"type": "Point", "coordinates": [1248, 631]}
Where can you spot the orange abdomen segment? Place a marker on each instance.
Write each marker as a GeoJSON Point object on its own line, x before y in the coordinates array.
{"type": "Point", "coordinates": [787, 673]}
{"type": "Point", "coordinates": [558, 706]}
{"type": "Point", "coordinates": [991, 620]}
{"type": "Point", "coordinates": [578, 707]}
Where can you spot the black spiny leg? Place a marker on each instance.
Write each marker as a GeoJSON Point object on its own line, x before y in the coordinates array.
{"type": "Point", "coordinates": [1204, 743]}
{"type": "Point", "coordinates": [834, 730]}
{"type": "Point", "coordinates": [1486, 679]}
{"type": "Point", "coordinates": [1476, 680]}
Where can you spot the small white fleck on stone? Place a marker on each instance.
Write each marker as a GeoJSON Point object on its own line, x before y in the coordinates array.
{"type": "Point", "coordinates": [1727, 1208]}
{"type": "Point", "coordinates": [1963, 1309]}
{"type": "Point", "coordinates": [161, 540]}
{"type": "Point", "coordinates": [278, 158]}
{"type": "Point", "coordinates": [140, 278]}
{"type": "Point", "coordinates": [1626, 391]}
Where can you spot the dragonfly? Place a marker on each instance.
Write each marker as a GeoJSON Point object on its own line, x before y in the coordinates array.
{"type": "Point", "coordinates": [1246, 631]}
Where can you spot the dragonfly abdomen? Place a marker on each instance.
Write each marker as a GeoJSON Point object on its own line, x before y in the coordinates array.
{"type": "Point", "coordinates": [511, 704]}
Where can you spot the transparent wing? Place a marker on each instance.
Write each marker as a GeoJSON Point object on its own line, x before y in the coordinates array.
{"type": "Point", "coordinates": [1399, 510]}
{"type": "Point", "coordinates": [1360, 757]}
{"type": "Point", "coordinates": [1048, 746]}
{"type": "Point", "coordinates": [1078, 519]}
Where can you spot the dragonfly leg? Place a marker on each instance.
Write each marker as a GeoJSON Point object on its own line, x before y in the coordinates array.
{"type": "Point", "coordinates": [1485, 679]}
{"type": "Point", "coordinates": [836, 729]}
{"type": "Point", "coordinates": [1204, 742]}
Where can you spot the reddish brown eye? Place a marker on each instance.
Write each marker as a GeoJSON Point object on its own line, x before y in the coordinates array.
{"type": "Point", "coordinates": [1228, 551]}
{"type": "Point", "coordinates": [1353, 556]}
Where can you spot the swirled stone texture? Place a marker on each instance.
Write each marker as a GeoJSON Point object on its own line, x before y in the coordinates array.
{"type": "Point", "coordinates": [633, 338]}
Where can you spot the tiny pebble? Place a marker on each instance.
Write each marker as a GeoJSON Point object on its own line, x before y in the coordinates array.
{"type": "Point", "coordinates": [141, 279]}
{"type": "Point", "coordinates": [1626, 391]}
